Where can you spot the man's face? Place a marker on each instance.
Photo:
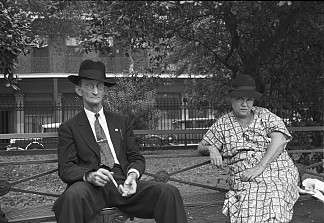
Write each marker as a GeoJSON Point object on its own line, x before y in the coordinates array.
{"type": "Point", "coordinates": [242, 106]}
{"type": "Point", "coordinates": [92, 92]}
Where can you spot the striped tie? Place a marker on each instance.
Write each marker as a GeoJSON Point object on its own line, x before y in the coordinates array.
{"type": "Point", "coordinates": [105, 152]}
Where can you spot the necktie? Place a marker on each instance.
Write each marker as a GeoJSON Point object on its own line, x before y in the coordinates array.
{"type": "Point", "coordinates": [105, 152]}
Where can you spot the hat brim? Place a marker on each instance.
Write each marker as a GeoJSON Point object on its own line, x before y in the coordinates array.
{"type": "Point", "coordinates": [245, 93]}
{"type": "Point", "coordinates": [74, 79]}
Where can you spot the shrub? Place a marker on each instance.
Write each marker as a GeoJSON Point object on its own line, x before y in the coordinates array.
{"type": "Point", "coordinates": [135, 97]}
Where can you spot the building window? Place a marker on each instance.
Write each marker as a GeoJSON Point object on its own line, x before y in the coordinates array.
{"type": "Point", "coordinates": [40, 60]}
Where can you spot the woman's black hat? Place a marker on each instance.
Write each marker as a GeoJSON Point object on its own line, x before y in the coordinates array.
{"type": "Point", "coordinates": [244, 86]}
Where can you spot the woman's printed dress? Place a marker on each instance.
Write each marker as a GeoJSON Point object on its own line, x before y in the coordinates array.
{"type": "Point", "coordinates": [271, 196]}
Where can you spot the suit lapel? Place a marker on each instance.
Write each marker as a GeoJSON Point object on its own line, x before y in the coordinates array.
{"type": "Point", "coordinates": [85, 131]}
{"type": "Point", "coordinates": [114, 131]}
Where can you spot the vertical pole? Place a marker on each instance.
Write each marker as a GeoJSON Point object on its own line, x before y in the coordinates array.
{"type": "Point", "coordinates": [185, 100]}
{"type": "Point", "coordinates": [55, 101]}
{"type": "Point", "coordinates": [20, 114]}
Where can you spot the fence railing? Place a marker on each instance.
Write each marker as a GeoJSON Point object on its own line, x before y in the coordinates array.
{"type": "Point", "coordinates": [45, 117]}
{"type": "Point", "coordinates": [35, 117]}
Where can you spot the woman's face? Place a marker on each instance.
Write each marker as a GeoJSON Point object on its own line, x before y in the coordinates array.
{"type": "Point", "coordinates": [242, 106]}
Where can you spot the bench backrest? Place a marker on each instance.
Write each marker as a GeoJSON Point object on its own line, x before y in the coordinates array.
{"type": "Point", "coordinates": [147, 155]}
{"type": "Point", "coordinates": [147, 132]}
{"type": "Point", "coordinates": [136, 132]}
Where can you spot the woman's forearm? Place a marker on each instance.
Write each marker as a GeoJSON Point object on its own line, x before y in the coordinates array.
{"type": "Point", "coordinates": [203, 150]}
{"type": "Point", "coordinates": [276, 146]}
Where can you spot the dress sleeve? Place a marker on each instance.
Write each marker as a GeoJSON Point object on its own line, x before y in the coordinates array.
{"type": "Point", "coordinates": [274, 123]}
{"type": "Point", "coordinates": [214, 136]}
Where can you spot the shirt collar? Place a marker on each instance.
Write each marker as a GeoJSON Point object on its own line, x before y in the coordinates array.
{"type": "Point", "coordinates": [91, 115]}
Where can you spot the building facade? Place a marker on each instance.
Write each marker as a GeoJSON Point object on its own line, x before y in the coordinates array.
{"type": "Point", "coordinates": [44, 84]}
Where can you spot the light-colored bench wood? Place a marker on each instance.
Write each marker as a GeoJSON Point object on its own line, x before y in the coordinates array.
{"type": "Point", "coordinates": [44, 213]}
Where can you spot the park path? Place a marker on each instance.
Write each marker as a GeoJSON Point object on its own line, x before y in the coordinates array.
{"type": "Point", "coordinates": [305, 211]}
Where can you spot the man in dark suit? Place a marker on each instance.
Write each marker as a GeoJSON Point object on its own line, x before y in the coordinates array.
{"type": "Point", "coordinates": [94, 160]}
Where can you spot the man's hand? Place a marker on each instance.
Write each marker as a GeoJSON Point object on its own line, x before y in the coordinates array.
{"type": "Point", "coordinates": [215, 156]}
{"type": "Point", "coordinates": [130, 185]}
{"type": "Point", "coordinates": [100, 177]}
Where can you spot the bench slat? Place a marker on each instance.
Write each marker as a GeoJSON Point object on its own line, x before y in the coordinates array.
{"type": "Point", "coordinates": [28, 135]}
{"type": "Point", "coordinates": [27, 162]}
{"type": "Point", "coordinates": [28, 152]}
{"type": "Point", "coordinates": [203, 198]}
{"type": "Point", "coordinates": [306, 128]}
{"type": "Point", "coordinates": [148, 156]}
{"type": "Point", "coordinates": [146, 132]}
{"type": "Point", "coordinates": [30, 214]}
{"type": "Point", "coordinates": [44, 212]}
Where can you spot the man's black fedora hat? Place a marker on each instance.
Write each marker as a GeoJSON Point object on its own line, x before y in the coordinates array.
{"type": "Point", "coordinates": [244, 86]}
{"type": "Point", "coordinates": [91, 70]}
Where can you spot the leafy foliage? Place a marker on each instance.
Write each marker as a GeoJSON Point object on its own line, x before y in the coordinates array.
{"type": "Point", "coordinates": [54, 19]}
{"type": "Point", "coordinates": [279, 43]}
{"type": "Point", "coordinates": [135, 97]}
{"type": "Point", "coordinates": [203, 94]}
{"type": "Point", "coordinates": [26, 23]}
{"type": "Point", "coordinates": [14, 26]}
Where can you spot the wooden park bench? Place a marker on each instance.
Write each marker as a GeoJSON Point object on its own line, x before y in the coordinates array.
{"type": "Point", "coordinates": [43, 213]}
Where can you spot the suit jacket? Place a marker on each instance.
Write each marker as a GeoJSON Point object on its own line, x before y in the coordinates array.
{"type": "Point", "coordinates": [78, 151]}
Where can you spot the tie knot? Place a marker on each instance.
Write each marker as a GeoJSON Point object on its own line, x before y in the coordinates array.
{"type": "Point", "coordinates": [97, 115]}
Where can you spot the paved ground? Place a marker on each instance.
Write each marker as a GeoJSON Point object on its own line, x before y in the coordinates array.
{"type": "Point", "coordinates": [307, 211]}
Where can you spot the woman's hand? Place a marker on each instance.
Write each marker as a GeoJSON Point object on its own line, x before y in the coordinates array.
{"type": "Point", "coordinates": [275, 148]}
{"type": "Point", "coordinates": [252, 173]}
{"type": "Point", "coordinates": [215, 156]}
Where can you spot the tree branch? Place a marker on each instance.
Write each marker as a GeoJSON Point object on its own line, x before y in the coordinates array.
{"type": "Point", "coordinates": [253, 61]}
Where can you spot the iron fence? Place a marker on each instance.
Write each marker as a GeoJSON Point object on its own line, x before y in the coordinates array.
{"type": "Point", "coordinates": [33, 117]}
{"type": "Point", "coordinates": [38, 117]}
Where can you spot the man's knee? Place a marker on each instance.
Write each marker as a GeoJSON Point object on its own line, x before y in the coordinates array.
{"type": "Point", "coordinates": [76, 191]}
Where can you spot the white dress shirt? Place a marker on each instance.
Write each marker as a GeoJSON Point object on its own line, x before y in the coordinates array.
{"type": "Point", "coordinates": [102, 120]}
{"type": "Point", "coordinates": [103, 123]}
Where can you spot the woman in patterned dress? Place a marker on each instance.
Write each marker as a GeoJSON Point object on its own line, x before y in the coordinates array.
{"type": "Point", "coordinates": [262, 177]}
